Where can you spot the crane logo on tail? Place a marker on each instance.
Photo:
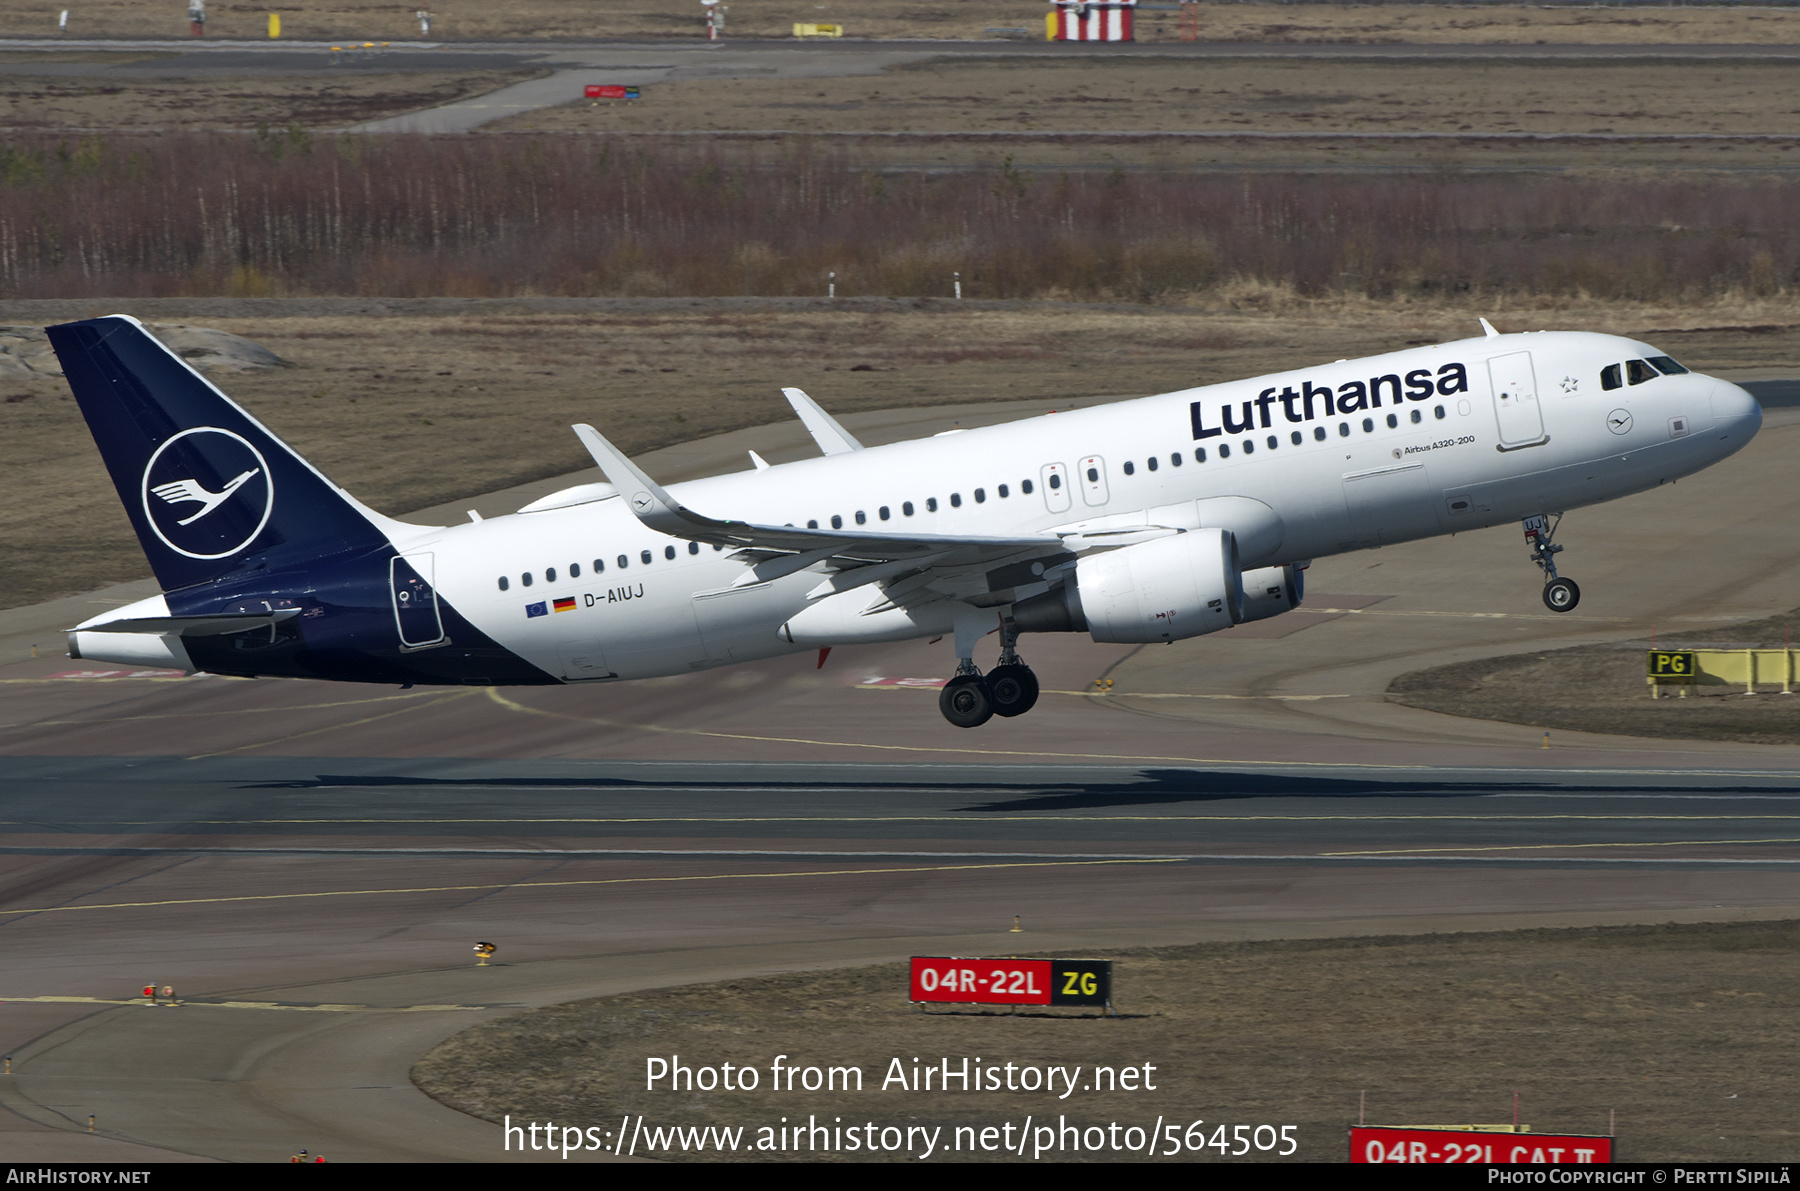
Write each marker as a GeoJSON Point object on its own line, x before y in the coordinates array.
{"type": "Point", "coordinates": [221, 473]}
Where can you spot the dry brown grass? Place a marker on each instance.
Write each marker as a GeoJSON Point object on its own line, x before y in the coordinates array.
{"type": "Point", "coordinates": [1014, 95]}
{"type": "Point", "coordinates": [951, 19]}
{"type": "Point", "coordinates": [409, 404]}
{"type": "Point", "coordinates": [1601, 688]}
{"type": "Point", "coordinates": [307, 101]}
{"type": "Point", "coordinates": [1684, 1031]}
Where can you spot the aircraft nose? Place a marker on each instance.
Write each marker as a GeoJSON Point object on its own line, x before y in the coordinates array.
{"type": "Point", "coordinates": [1735, 411]}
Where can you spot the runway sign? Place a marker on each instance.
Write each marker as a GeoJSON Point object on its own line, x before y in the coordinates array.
{"type": "Point", "coordinates": [1374, 1144]}
{"type": "Point", "coordinates": [609, 91]}
{"type": "Point", "coordinates": [949, 980]}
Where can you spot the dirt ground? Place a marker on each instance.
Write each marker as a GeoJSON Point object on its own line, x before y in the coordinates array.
{"type": "Point", "coordinates": [325, 100]}
{"type": "Point", "coordinates": [1684, 1031]}
{"type": "Point", "coordinates": [455, 20]}
{"type": "Point", "coordinates": [1601, 688]}
{"type": "Point", "coordinates": [412, 403]}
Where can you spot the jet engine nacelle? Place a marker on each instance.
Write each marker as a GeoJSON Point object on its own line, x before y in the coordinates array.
{"type": "Point", "coordinates": [1162, 590]}
{"type": "Point", "coordinates": [1271, 591]}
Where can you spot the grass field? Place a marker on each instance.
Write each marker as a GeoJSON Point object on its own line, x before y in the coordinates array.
{"type": "Point", "coordinates": [1017, 95]}
{"type": "Point", "coordinates": [324, 100]}
{"type": "Point", "coordinates": [1684, 1031]}
{"type": "Point", "coordinates": [1601, 688]}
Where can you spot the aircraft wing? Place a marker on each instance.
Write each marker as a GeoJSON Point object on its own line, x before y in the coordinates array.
{"type": "Point", "coordinates": [945, 563]}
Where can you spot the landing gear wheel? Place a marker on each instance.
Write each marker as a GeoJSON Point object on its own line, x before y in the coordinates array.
{"type": "Point", "coordinates": [1561, 595]}
{"type": "Point", "coordinates": [966, 701]}
{"type": "Point", "coordinates": [1014, 689]}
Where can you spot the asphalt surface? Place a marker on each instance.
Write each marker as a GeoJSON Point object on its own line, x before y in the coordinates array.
{"type": "Point", "coordinates": [309, 865]}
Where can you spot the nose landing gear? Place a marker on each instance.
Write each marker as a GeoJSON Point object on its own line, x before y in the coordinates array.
{"type": "Point", "coordinates": [1560, 595]}
{"type": "Point", "coordinates": [970, 699]}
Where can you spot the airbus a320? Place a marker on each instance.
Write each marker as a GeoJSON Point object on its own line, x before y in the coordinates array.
{"type": "Point", "coordinates": [1149, 520]}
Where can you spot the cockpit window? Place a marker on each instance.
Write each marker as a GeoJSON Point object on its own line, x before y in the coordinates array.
{"type": "Point", "coordinates": [1638, 372]}
{"type": "Point", "coordinates": [1609, 377]}
{"type": "Point", "coordinates": [1667, 366]}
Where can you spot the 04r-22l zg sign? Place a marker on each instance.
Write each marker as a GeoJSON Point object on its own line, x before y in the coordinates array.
{"type": "Point", "coordinates": [951, 980]}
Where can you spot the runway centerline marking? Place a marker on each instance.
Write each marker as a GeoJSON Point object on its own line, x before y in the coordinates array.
{"type": "Point", "coordinates": [847, 872]}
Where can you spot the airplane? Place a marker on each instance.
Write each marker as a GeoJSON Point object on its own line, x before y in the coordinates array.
{"type": "Point", "coordinates": [1149, 520]}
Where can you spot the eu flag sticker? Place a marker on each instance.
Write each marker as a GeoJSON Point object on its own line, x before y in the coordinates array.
{"type": "Point", "coordinates": [536, 609]}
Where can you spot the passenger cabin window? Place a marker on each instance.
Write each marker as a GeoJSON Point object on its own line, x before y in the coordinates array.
{"type": "Point", "coordinates": [693, 547]}
{"type": "Point", "coordinates": [1667, 366]}
{"type": "Point", "coordinates": [1609, 377]}
{"type": "Point", "coordinates": [884, 512]}
{"type": "Point", "coordinates": [1025, 486]}
{"type": "Point", "coordinates": [1343, 430]}
{"type": "Point", "coordinates": [1150, 463]}
{"type": "Point", "coordinates": [1055, 481]}
{"type": "Point", "coordinates": [1093, 475]}
{"type": "Point", "coordinates": [599, 566]}
{"type": "Point", "coordinates": [1439, 411]}
{"type": "Point", "coordinates": [981, 496]}
{"type": "Point", "coordinates": [550, 575]}
{"type": "Point", "coordinates": [907, 508]}
{"type": "Point", "coordinates": [574, 570]}
{"type": "Point", "coordinates": [1368, 425]}
{"type": "Point", "coordinates": [1199, 454]}
{"type": "Point", "coordinates": [812, 524]}
{"type": "Point", "coordinates": [956, 500]}
{"type": "Point", "coordinates": [1319, 433]}
{"type": "Point", "coordinates": [931, 504]}
{"type": "Point", "coordinates": [1294, 438]}
{"type": "Point", "coordinates": [837, 522]}
{"type": "Point", "coordinates": [1417, 417]}
{"type": "Point", "coordinates": [1249, 447]}
{"type": "Point", "coordinates": [624, 561]}
{"type": "Point", "coordinates": [525, 578]}
{"type": "Point", "coordinates": [1639, 371]}
{"type": "Point", "coordinates": [644, 557]}
{"type": "Point", "coordinates": [503, 583]}
{"type": "Point", "coordinates": [1174, 461]}
{"type": "Point", "coordinates": [1224, 450]}
{"type": "Point", "coordinates": [1273, 442]}
{"type": "Point", "coordinates": [1005, 492]}
{"type": "Point", "coordinates": [862, 518]}
{"type": "Point", "coordinates": [1129, 469]}
{"type": "Point", "coordinates": [668, 552]}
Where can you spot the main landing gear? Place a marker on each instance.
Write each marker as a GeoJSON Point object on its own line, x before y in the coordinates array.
{"type": "Point", "coordinates": [1560, 595]}
{"type": "Point", "coordinates": [970, 699]}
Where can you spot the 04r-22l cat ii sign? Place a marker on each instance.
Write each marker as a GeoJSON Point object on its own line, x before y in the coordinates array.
{"type": "Point", "coordinates": [1150, 520]}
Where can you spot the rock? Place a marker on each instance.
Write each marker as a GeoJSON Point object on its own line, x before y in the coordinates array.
{"type": "Point", "coordinates": [216, 351]}
{"type": "Point", "coordinates": [25, 351]}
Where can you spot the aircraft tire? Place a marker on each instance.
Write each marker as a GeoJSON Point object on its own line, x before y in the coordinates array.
{"type": "Point", "coordinates": [1561, 595]}
{"type": "Point", "coordinates": [966, 701]}
{"type": "Point", "coordinates": [1014, 689]}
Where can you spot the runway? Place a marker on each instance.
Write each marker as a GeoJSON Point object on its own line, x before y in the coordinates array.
{"type": "Point", "coordinates": [309, 865]}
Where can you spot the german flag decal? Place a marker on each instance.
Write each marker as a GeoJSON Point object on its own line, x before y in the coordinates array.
{"type": "Point", "coordinates": [565, 605]}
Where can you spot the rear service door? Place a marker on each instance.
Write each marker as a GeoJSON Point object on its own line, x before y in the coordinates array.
{"type": "Point", "coordinates": [415, 602]}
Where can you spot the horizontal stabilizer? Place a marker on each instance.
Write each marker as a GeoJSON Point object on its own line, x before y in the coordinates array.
{"type": "Point", "coordinates": [194, 626]}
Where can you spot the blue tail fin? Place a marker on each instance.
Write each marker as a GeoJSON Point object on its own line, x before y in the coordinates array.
{"type": "Point", "coordinates": [208, 488]}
